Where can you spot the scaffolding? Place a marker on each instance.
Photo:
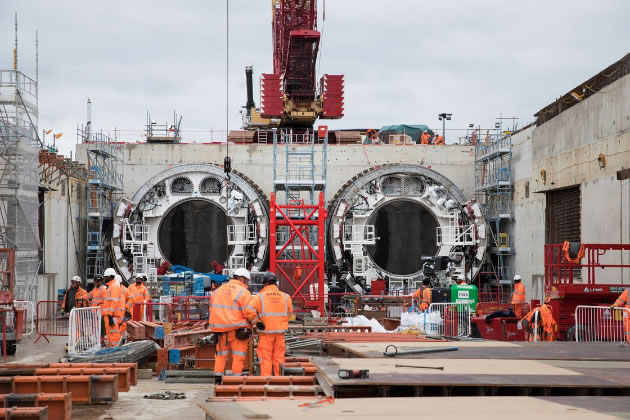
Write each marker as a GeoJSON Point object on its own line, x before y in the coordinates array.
{"type": "Point", "coordinates": [19, 178]}
{"type": "Point", "coordinates": [298, 215]}
{"type": "Point", "coordinates": [494, 190]}
{"type": "Point", "coordinates": [104, 189]}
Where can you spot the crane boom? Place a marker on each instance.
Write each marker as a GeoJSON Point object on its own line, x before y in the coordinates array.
{"type": "Point", "coordinates": [291, 94]}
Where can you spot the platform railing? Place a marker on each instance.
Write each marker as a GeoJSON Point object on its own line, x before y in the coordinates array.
{"type": "Point", "coordinates": [602, 324]}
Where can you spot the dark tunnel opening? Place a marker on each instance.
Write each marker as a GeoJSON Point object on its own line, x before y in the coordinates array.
{"type": "Point", "coordinates": [407, 231]}
{"type": "Point", "coordinates": [193, 234]}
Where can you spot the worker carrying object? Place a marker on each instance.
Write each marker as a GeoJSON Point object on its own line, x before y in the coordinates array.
{"type": "Point", "coordinates": [545, 326]}
{"type": "Point", "coordinates": [623, 301]}
{"type": "Point", "coordinates": [422, 296]}
{"type": "Point", "coordinates": [75, 297]}
{"type": "Point", "coordinates": [97, 294]}
{"type": "Point", "coordinates": [272, 309]}
{"type": "Point", "coordinates": [137, 293]}
{"type": "Point", "coordinates": [519, 299]}
{"type": "Point", "coordinates": [113, 307]}
{"type": "Point", "coordinates": [229, 320]}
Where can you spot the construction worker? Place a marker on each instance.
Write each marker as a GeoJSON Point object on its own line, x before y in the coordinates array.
{"type": "Point", "coordinates": [519, 299]}
{"type": "Point", "coordinates": [113, 307]}
{"type": "Point", "coordinates": [425, 138]}
{"type": "Point", "coordinates": [459, 279]}
{"type": "Point", "coordinates": [228, 319]}
{"type": "Point", "coordinates": [75, 297]}
{"type": "Point", "coordinates": [543, 327]}
{"type": "Point", "coordinates": [623, 301]}
{"type": "Point", "coordinates": [438, 140]}
{"type": "Point", "coordinates": [137, 293]}
{"type": "Point", "coordinates": [422, 296]}
{"type": "Point", "coordinates": [97, 295]}
{"type": "Point", "coordinates": [272, 309]}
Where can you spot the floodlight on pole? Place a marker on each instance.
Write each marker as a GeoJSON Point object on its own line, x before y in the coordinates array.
{"type": "Point", "coordinates": [444, 116]}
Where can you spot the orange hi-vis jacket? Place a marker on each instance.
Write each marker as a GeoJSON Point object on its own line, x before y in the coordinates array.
{"type": "Point", "coordinates": [623, 301]}
{"type": "Point", "coordinates": [81, 299]}
{"type": "Point", "coordinates": [519, 293]}
{"type": "Point", "coordinates": [424, 138]}
{"type": "Point", "coordinates": [546, 324]}
{"type": "Point", "coordinates": [227, 307]}
{"type": "Point", "coordinates": [137, 294]}
{"type": "Point", "coordinates": [273, 307]}
{"type": "Point", "coordinates": [114, 304]}
{"type": "Point", "coordinates": [97, 295]}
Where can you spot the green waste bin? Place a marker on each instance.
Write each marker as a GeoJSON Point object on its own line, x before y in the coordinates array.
{"type": "Point", "coordinates": [465, 293]}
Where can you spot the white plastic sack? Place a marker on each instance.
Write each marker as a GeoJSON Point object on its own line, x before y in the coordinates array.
{"type": "Point", "coordinates": [428, 322]}
{"type": "Point", "coordinates": [362, 321]}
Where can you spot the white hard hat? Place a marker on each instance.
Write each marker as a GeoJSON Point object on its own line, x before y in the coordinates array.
{"type": "Point", "coordinates": [241, 272]}
{"type": "Point", "coordinates": [118, 278]}
{"type": "Point", "coordinates": [517, 278]}
{"type": "Point", "coordinates": [76, 278]}
{"type": "Point", "coordinates": [109, 272]}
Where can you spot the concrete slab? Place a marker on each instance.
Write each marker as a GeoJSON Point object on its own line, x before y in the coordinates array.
{"type": "Point", "coordinates": [455, 408]}
{"type": "Point", "coordinates": [557, 350]}
{"type": "Point", "coordinates": [132, 405]}
{"type": "Point", "coordinates": [41, 352]}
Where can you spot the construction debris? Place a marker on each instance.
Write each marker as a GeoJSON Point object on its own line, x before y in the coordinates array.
{"type": "Point", "coordinates": [395, 351]}
{"type": "Point", "coordinates": [166, 395]}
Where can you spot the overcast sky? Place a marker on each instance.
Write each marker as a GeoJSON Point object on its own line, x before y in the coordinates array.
{"type": "Point", "coordinates": [404, 61]}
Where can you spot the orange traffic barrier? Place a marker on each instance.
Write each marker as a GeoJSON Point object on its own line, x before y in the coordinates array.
{"type": "Point", "coordinates": [133, 367]}
{"type": "Point", "coordinates": [268, 380]}
{"type": "Point", "coordinates": [123, 374]}
{"type": "Point", "coordinates": [86, 389]}
{"type": "Point", "coordinates": [24, 413]}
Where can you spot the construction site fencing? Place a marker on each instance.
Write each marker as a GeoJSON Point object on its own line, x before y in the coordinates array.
{"type": "Point", "coordinates": [448, 319]}
{"type": "Point", "coordinates": [29, 315]}
{"type": "Point", "coordinates": [190, 308]}
{"type": "Point", "coordinates": [49, 320]}
{"type": "Point", "coordinates": [157, 312]}
{"type": "Point", "coordinates": [601, 324]}
{"type": "Point", "coordinates": [85, 330]}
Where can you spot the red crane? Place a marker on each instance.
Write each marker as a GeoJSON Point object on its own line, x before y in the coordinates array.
{"type": "Point", "coordinates": [291, 93]}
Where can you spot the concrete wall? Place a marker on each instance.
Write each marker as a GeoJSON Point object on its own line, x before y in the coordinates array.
{"type": "Point", "coordinates": [62, 209]}
{"type": "Point", "coordinates": [143, 161]}
{"type": "Point", "coordinates": [567, 148]}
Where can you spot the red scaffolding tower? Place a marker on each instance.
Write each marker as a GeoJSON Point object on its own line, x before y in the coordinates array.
{"type": "Point", "coordinates": [297, 257]}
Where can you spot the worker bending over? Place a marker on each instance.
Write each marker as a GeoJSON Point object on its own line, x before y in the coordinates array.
{"type": "Point", "coordinates": [137, 293]}
{"type": "Point", "coordinates": [422, 296]}
{"type": "Point", "coordinates": [518, 296]}
{"type": "Point", "coordinates": [543, 327]}
{"type": "Point", "coordinates": [623, 301]}
{"type": "Point", "coordinates": [75, 297]}
{"type": "Point", "coordinates": [113, 307]}
{"type": "Point", "coordinates": [228, 319]}
{"type": "Point", "coordinates": [272, 309]}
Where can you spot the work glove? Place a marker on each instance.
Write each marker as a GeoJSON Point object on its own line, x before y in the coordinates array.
{"type": "Point", "coordinates": [260, 325]}
{"type": "Point", "coordinates": [127, 314]}
{"type": "Point", "coordinates": [111, 322]}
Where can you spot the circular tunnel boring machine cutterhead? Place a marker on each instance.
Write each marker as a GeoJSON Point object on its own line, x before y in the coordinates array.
{"type": "Point", "coordinates": [192, 216]}
{"type": "Point", "coordinates": [394, 222]}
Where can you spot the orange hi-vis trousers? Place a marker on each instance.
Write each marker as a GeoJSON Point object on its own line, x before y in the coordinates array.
{"type": "Point", "coordinates": [229, 343]}
{"type": "Point", "coordinates": [271, 351]}
{"type": "Point", "coordinates": [113, 333]}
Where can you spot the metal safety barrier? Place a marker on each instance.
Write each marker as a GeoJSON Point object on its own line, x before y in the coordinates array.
{"type": "Point", "coordinates": [164, 312]}
{"type": "Point", "coordinates": [49, 321]}
{"type": "Point", "coordinates": [85, 330]}
{"type": "Point", "coordinates": [453, 320]}
{"type": "Point", "coordinates": [601, 323]}
{"type": "Point", "coordinates": [29, 314]}
{"type": "Point", "coordinates": [190, 308]}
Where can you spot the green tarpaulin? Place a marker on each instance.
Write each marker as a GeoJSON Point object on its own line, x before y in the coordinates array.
{"type": "Point", "coordinates": [413, 131]}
